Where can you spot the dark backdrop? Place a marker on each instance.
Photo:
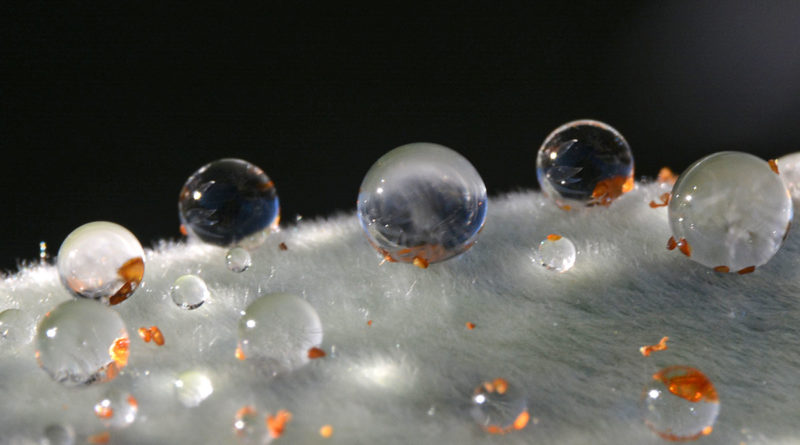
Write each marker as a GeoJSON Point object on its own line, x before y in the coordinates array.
{"type": "Point", "coordinates": [105, 111]}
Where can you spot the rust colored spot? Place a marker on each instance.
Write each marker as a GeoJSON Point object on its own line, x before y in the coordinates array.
{"type": "Point", "coordinates": [470, 325]}
{"type": "Point", "coordinates": [687, 383]}
{"type": "Point", "coordinates": [246, 410]}
{"type": "Point", "coordinates": [369, 322]}
{"type": "Point", "coordinates": [500, 385]}
{"type": "Point", "coordinates": [119, 351]}
{"type": "Point", "coordinates": [112, 371]}
{"type": "Point", "coordinates": [684, 247]}
{"type": "Point", "coordinates": [133, 402]}
{"type": "Point", "coordinates": [660, 346]}
{"type": "Point", "coordinates": [522, 420]}
{"type": "Point", "coordinates": [723, 269]}
{"type": "Point", "coordinates": [564, 207]}
{"type": "Point", "coordinates": [131, 273]}
{"type": "Point", "coordinates": [773, 164]}
{"type": "Point", "coordinates": [158, 337]}
{"type": "Point", "coordinates": [239, 353]}
{"type": "Point", "coordinates": [553, 237]}
{"type": "Point", "coordinates": [326, 431]}
{"type": "Point", "coordinates": [494, 429]}
{"type": "Point", "coordinates": [99, 438]}
{"type": "Point", "coordinates": [145, 335]}
{"type": "Point", "coordinates": [103, 412]}
{"type": "Point", "coordinates": [746, 270]}
{"type": "Point", "coordinates": [420, 262]}
{"type": "Point", "coordinates": [241, 413]}
{"type": "Point", "coordinates": [671, 243]}
{"type": "Point", "coordinates": [609, 189]}
{"type": "Point", "coordinates": [183, 230]}
{"type": "Point", "coordinates": [315, 353]}
{"type": "Point", "coordinates": [664, 201]}
{"type": "Point", "coordinates": [665, 175]}
{"type": "Point", "coordinates": [277, 423]}
{"type": "Point", "coordinates": [283, 246]}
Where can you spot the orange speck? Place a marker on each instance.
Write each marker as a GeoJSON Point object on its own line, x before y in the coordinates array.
{"type": "Point", "coordinates": [773, 164]}
{"type": "Point", "coordinates": [315, 353]}
{"type": "Point", "coordinates": [522, 420]}
{"type": "Point", "coordinates": [660, 346]}
{"type": "Point", "coordinates": [119, 351]}
{"type": "Point", "coordinates": [665, 175]}
{"type": "Point", "coordinates": [671, 243]}
{"type": "Point", "coordinates": [245, 411]}
{"type": "Point", "coordinates": [664, 201]}
{"type": "Point", "coordinates": [470, 325]}
{"type": "Point", "coordinates": [100, 438]}
{"type": "Point", "coordinates": [103, 412]}
{"type": "Point", "coordinates": [283, 246]}
{"type": "Point", "coordinates": [158, 337]}
{"type": "Point", "coordinates": [420, 262]}
{"type": "Point", "coordinates": [723, 269]}
{"type": "Point", "coordinates": [494, 429]}
{"type": "Point", "coordinates": [707, 430]}
{"type": "Point", "coordinates": [564, 207]}
{"type": "Point", "coordinates": [687, 383]}
{"type": "Point", "coordinates": [131, 272]}
{"type": "Point", "coordinates": [239, 353]}
{"type": "Point", "coordinates": [183, 230]}
{"type": "Point", "coordinates": [369, 322]}
{"type": "Point", "coordinates": [684, 247]}
{"type": "Point", "coordinates": [277, 423]}
{"type": "Point", "coordinates": [553, 237]}
{"type": "Point", "coordinates": [144, 334]}
{"type": "Point", "coordinates": [326, 431]}
{"type": "Point", "coordinates": [500, 385]}
{"type": "Point", "coordinates": [609, 189]}
{"type": "Point", "coordinates": [133, 402]}
{"type": "Point", "coordinates": [746, 270]}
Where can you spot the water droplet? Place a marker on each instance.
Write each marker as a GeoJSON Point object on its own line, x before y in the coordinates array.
{"type": "Point", "coordinates": [101, 261]}
{"type": "Point", "coordinates": [189, 292]}
{"type": "Point", "coordinates": [422, 203]}
{"type": "Point", "coordinates": [279, 329]}
{"type": "Point", "coordinates": [556, 253]}
{"type": "Point", "coordinates": [15, 327]}
{"type": "Point", "coordinates": [82, 342]}
{"type": "Point", "coordinates": [228, 201]}
{"type": "Point", "coordinates": [499, 407]}
{"type": "Point", "coordinates": [238, 259]}
{"type": "Point", "coordinates": [192, 387]}
{"type": "Point", "coordinates": [117, 409]}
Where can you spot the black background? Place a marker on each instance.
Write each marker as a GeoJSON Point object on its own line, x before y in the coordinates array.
{"type": "Point", "coordinates": [106, 110]}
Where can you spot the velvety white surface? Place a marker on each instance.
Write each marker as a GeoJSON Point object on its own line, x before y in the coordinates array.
{"type": "Point", "coordinates": [572, 339]}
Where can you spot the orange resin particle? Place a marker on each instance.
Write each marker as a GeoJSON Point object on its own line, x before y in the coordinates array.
{"type": "Point", "coordinates": [660, 346]}
{"type": "Point", "coordinates": [315, 353]}
{"type": "Point", "coordinates": [687, 383]}
{"type": "Point", "coordinates": [746, 270]}
{"type": "Point", "coordinates": [684, 247]}
{"type": "Point", "coordinates": [103, 412]}
{"type": "Point", "coordinates": [671, 243]}
{"type": "Point", "coordinates": [553, 237]}
{"type": "Point", "coordinates": [723, 269]}
{"type": "Point", "coordinates": [119, 351]}
{"type": "Point", "coordinates": [470, 325]}
{"type": "Point", "coordinates": [773, 164]}
{"type": "Point", "coordinates": [420, 262]}
{"type": "Point", "coordinates": [326, 431]}
{"type": "Point", "coordinates": [522, 420]}
{"type": "Point", "coordinates": [145, 335]}
{"type": "Point", "coordinates": [283, 246]}
{"type": "Point", "coordinates": [664, 201]}
{"type": "Point", "coordinates": [277, 423]}
{"type": "Point", "coordinates": [239, 353]}
{"type": "Point", "coordinates": [158, 337]}
{"type": "Point", "coordinates": [100, 438]}
{"type": "Point", "coordinates": [369, 322]}
{"type": "Point", "coordinates": [665, 175]}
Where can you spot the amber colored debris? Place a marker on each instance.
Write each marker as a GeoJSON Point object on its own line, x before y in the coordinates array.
{"type": "Point", "coordinates": [664, 201]}
{"type": "Point", "coordinates": [145, 334]}
{"type": "Point", "coordinates": [746, 270]}
{"type": "Point", "coordinates": [723, 269]}
{"type": "Point", "coordinates": [283, 246]}
{"type": "Point", "coordinates": [326, 431]}
{"type": "Point", "coordinates": [152, 333]}
{"type": "Point", "coordinates": [681, 244]}
{"type": "Point", "coordinates": [470, 325]}
{"type": "Point", "coordinates": [119, 351]}
{"type": "Point", "coordinates": [99, 438]}
{"type": "Point", "coordinates": [239, 353]}
{"type": "Point", "coordinates": [131, 273]}
{"type": "Point", "coordinates": [183, 230]}
{"type": "Point", "coordinates": [665, 175]}
{"type": "Point", "coordinates": [773, 164]}
{"type": "Point", "coordinates": [660, 346]}
{"type": "Point", "coordinates": [103, 412]}
{"type": "Point", "coordinates": [369, 322]}
{"type": "Point", "coordinates": [671, 243]}
{"type": "Point", "coordinates": [553, 237]}
{"type": "Point", "coordinates": [277, 423]}
{"type": "Point", "coordinates": [687, 383]}
{"type": "Point", "coordinates": [420, 262]}
{"type": "Point", "coordinates": [609, 189]}
{"type": "Point", "coordinates": [316, 353]}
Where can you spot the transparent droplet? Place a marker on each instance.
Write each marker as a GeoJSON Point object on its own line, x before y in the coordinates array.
{"type": "Point", "coordinates": [192, 387]}
{"type": "Point", "coordinates": [249, 427]}
{"type": "Point", "coordinates": [227, 201]}
{"type": "Point", "coordinates": [82, 342]}
{"type": "Point", "coordinates": [499, 407]}
{"type": "Point", "coordinates": [680, 404]}
{"type": "Point", "coordinates": [117, 408]}
{"type": "Point", "coordinates": [556, 253]}
{"type": "Point", "coordinates": [279, 329]}
{"type": "Point", "coordinates": [15, 327]}
{"type": "Point", "coordinates": [730, 211]}
{"type": "Point", "coordinates": [422, 203]}
{"type": "Point", "coordinates": [789, 167]}
{"type": "Point", "coordinates": [101, 261]}
{"type": "Point", "coordinates": [238, 259]}
{"type": "Point", "coordinates": [584, 163]}
{"type": "Point", "coordinates": [189, 292]}
{"type": "Point", "coordinates": [59, 434]}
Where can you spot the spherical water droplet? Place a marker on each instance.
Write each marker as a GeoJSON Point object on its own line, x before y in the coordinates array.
{"type": "Point", "coordinates": [117, 409]}
{"type": "Point", "coordinates": [730, 211]}
{"type": "Point", "coordinates": [584, 163]}
{"type": "Point", "coordinates": [499, 407]}
{"type": "Point", "coordinates": [680, 404]}
{"type": "Point", "coordinates": [279, 329]}
{"type": "Point", "coordinates": [249, 427]}
{"type": "Point", "coordinates": [101, 261]}
{"type": "Point", "coordinates": [422, 203]}
{"type": "Point", "coordinates": [59, 434]}
{"type": "Point", "coordinates": [189, 292]}
{"type": "Point", "coordinates": [15, 327]}
{"type": "Point", "coordinates": [228, 201]}
{"type": "Point", "coordinates": [238, 259]}
{"type": "Point", "coordinates": [81, 342]}
{"type": "Point", "coordinates": [789, 167]}
{"type": "Point", "coordinates": [556, 253]}
{"type": "Point", "coordinates": [192, 387]}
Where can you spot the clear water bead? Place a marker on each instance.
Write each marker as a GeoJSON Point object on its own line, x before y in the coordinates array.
{"type": "Point", "coordinates": [422, 203]}
{"type": "Point", "coordinates": [59, 434]}
{"type": "Point", "coordinates": [192, 387]}
{"type": "Point", "coordinates": [228, 201]}
{"type": "Point", "coordinates": [102, 261]}
{"type": "Point", "coordinates": [789, 167]}
{"type": "Point", "coordinates": [730, 211]}
{"type": "Point", "coordinates": [238, 260]}
{"type": "Point", "coordinates": [499, 407]}
{"type": "Point", "coordinates": [82, 342]}
{"type": "Point", "coordinates": [117, 409]}
{"type": "Point", "coordinates": [556, 253]}
{"type": "Point", "coordinates": [680, 404]}
{"type": "Point", "coordinates": [279, 329]}
{"type": "Point", "coordinates": [584, 163]}
{"type": "Point", "coordinates": [15, 327]}
{"type": "Point", "coordinates": [189, 292]}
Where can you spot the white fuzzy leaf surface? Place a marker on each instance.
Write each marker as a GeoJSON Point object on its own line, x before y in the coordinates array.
{"type": "Point", "coordinates": [571, 340]}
